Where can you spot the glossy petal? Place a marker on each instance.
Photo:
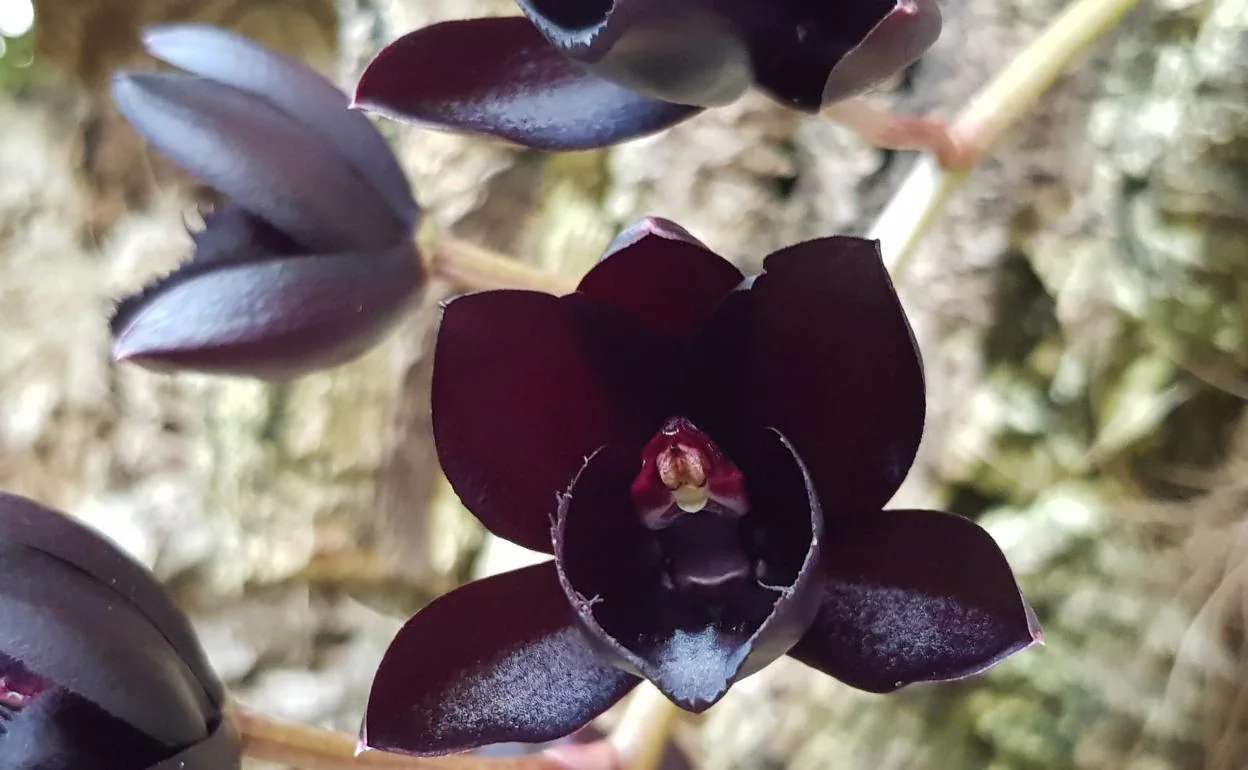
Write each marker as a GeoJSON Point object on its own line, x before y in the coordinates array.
{"type": "Point", "coordinates": [682, 51]}
{"type": "Point", "coordinates": [294, 88]}
{"type": "Point", "coordinates": [26, 523]}
{"type": "Point", "coordinates": [692, 649]}
{"type": "Point", "coordinates": [525, 386]}
{"type": "Point", "coordinates": [63, 731]}
{"type": "Point", "coordinates": [71, 629]}
{"type": "Point", "coordinates": [797, 44]}
{"type": "Point", "coordinates": [915, 596]}
{"type": "Point", "coordinates": [660, 274]}
{"type": "Point", "coordinates": [499, 77]}
{"type": "Point", "coordinates": [820, 348]}
{"type": "Point", "coordinates": [646, 227]}
{"type": "Point", "coordinates": [909, 30]}
{"type": "Point", "coordinates": [260, 158]}
{"type": "Point", "coordinates": [499, 659]}
{"type": "Point", "coordinates": [219, 751]}
{"type": "Point", "coordinates": [275, 319]}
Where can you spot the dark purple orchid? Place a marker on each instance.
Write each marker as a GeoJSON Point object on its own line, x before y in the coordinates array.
{"type": "Point", "coordinates": [98, 668]}
{"type": "Point", "coordinates": [310, 261]}
{"type": "Point", "coordinates": [577, 74]}
{"type": "Point", "coordinates": [707, 456]}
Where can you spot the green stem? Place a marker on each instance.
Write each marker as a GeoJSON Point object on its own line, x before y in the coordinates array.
{"type": "Point", "coordinates": [996, 108]}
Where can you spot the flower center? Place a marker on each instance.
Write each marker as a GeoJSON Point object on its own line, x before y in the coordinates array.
{"type": "Point", "coordinates": [692, 496]}
{"type": "Point", "coordinates": [18, 687]}
{"type": "Point", "coordinates": [684, 472]}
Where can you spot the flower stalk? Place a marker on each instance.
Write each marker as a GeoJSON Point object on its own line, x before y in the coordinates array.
{"type": "Point", "coordinates": [641, 736]}
{"type": "Point", "coordinates": [305, 747]}
{"type": "Point", "coordinates": [470, 266]}
{"type": "Point", "coordinates": [988, 115]}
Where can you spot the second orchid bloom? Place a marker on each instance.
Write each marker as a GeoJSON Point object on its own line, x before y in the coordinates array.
{"type": "Point", "coordinates": [707, 456]}
{"type": "Point", "coordinates": [310, 259]}
{"type": "Point", "coordinates": [577, 74]}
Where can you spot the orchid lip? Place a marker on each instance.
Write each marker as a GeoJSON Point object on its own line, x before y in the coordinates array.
{"type": "Point", "coordinates": [684, 472]}
{"type": "Point", "coordinates": [18, 687]}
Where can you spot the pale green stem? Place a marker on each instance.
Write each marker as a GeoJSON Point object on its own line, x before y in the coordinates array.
{"type": "Point", "coordinates": [996, 108]}
{"type": "Point", "coordinates": [642, 733]}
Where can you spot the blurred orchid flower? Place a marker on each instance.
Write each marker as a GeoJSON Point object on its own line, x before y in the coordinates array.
{"type": "Point", "coordinates": [577, 74]}
{"type": "Point", "coordinates": [310, 261]}
{"type": "Point", "coordinates": [98, 668]}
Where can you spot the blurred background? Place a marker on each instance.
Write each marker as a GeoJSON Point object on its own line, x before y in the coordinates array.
{"type": "Point", "coordinates": [1082, 307]}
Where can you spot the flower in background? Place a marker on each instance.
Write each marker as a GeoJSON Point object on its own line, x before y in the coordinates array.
{"type": "Point", "coordinates": [707, 457]}
{"type": "Point", "coordinates": [98, 668]}
{"type": "Point", "coordinates": [310, 261]}
{"type": "Point", "coordinates": [577, 74]}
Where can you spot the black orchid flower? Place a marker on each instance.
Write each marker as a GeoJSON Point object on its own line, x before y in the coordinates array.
{"type": "Point", "coordinates": [577, 74]}
{"type": "Point", "coordinates": [707, 456]}
{"type": "Point", "coordinates": [98, 668]}
{"type": "Point", "coordinates": [311, 259]}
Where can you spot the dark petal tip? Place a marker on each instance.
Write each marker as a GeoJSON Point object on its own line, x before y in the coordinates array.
{"type": "Point", "coordinates": [898, 41]}
{"type": "Point", "coordinates": [797, 46]}
{"type": "Point", "coordinates": [660, 274]}
{"type": "Point", "coordinates": [647, 227]}
{"type": "Point", "coordinates": [494, 661]}
{"type": "Point", "coordinates": [273, 319]}
{"type": "Point", "coordinates": [261, 158]}
{"type": "Point", "coordinates": [499, 77]}
{"type": "Point", "coordinates": [296, 89]}
{"type": "Point", "coordinates": [915, 596]}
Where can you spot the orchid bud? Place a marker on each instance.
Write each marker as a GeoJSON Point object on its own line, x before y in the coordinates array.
{"type": "Point", "coordinates": [310, 260]}
{"type": "Point", "coordinates": [98, 667]}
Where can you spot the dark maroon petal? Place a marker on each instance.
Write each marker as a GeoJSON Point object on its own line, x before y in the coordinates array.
{"type": "Point", "coordinates": [915, 596]}
{"type": "Point", "coordinates": [909, 30]}
{"type": "Point", "coordinates": [497, 660]}
{"type": "Point", "coordinates": [499, 77]}
{"type": "Point", "coordinates": [646, 227]}
{"type": "Point", "coordinates": [657, 272]}
{"type": "Point", "coordinates": [294, 88]}
{"type": "Point", "coordinates": [682, 51]}
{"type": "Point", "coordinates": [796, 45]}
{"type": "Point", "coordinates": [272, 319]}
{"type": "Point", "coordinates": [59, 730]}
{"type": "Point", "coordinates": [262, 159]}
{"type": "Point", "coordinates": [26, 523]}
{"type": "Point", "coordinates": [525, 386]}
{"type": "Point", "coordinates": [67, 627]}
{"type": "Point", "coordinates": [692, 645]}
{"type": "Point", "coordinates": [219, 751]}
{"type": "Point", "coordinates": [820, 348]}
